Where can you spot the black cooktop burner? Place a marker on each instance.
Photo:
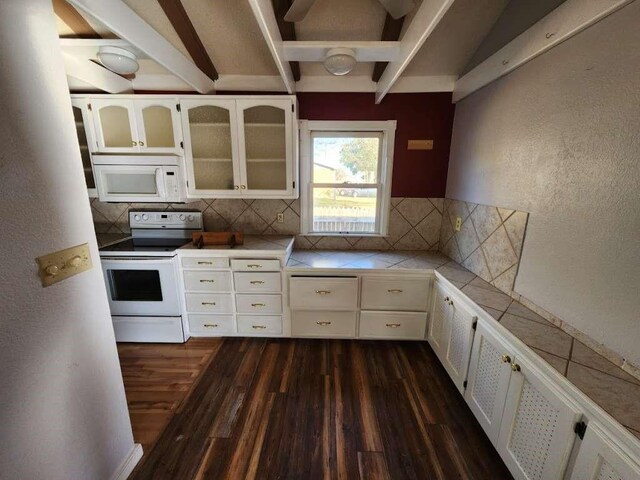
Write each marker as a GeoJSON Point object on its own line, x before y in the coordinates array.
{"type": "Point", "coordinates": [145, 245]}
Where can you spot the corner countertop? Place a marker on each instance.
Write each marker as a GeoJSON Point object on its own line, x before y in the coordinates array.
{"type": "Point", "coordinates": [608, 385]}
{"type": "Point", "coordinates": [278, 245]}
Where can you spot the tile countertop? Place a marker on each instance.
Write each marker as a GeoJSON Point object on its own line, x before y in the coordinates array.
{"type": "Point", "coordinates": [262, 244]}
{"type": "Point", "coordinates": [616, 391]}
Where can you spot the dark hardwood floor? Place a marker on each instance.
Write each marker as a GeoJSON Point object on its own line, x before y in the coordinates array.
{"type": "Point", "coordinates": [311, 409]}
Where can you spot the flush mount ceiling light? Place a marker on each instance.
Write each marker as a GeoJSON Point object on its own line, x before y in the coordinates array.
{"type": "Point", "coordinates": [118, 60]}
{"type": "Point", "coordinates": [340, 61]}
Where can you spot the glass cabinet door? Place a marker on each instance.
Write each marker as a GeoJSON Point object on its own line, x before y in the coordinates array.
{"type": "Point", "coordinates": [115, 125]}
{"type": "Point", "coordinates": [210, 131]}
{"type": "Point", "coordinates": [158, 125]}
{"type": "Point", "coordinates": [84, 138]}
{"type": "Point", "coordinates": [266, 146]}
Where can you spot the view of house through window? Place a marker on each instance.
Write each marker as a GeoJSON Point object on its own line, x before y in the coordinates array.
{"type": "Point", "coordinates": [345, 179]}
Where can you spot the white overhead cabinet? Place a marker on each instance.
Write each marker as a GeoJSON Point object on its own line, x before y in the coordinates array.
{"type": "Point", "coordinates": [240, 147]}
{"type": "Point", "coordinates": [84, 130]}
{"type": "Point", "coordinates": [137, 125]}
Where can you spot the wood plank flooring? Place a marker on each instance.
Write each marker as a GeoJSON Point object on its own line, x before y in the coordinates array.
{"type": "Point", "coordinates": [314, 409]}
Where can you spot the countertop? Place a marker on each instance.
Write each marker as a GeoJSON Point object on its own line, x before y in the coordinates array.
{"type": "Point", "coordinates": [608, 385]}
{"type": "Point", "coordinates": [262, 244]}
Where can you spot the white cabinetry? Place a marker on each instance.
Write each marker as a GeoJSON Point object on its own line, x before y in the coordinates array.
{"type": "Point", "coordinates": [84, 129]}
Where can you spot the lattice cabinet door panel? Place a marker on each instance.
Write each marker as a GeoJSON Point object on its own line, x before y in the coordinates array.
{"type": "Point", "coordinates": [600, 458]}
{"type": "Point", "coordinates": [460, 339]}
{"type": "Point", "coordinates": [537, 427]}
{"type": "Point", "coordinates": [488, 380]}
{"type": "Point", "coordinates": [439, 320]}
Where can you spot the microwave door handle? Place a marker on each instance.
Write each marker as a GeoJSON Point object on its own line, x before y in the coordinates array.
{"type": "Point", "coordinates": [160, 183]}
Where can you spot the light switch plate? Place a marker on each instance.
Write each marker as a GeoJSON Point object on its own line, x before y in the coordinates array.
{"type": "Point", "coordinates": [63, 264]}
{"type": "Point", "coordinates": [458, 224]}
{"type": "Point", "coordinates": [420, 145]}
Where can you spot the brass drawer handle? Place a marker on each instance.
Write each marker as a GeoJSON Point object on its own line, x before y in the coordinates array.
{"type": "Point", "coordinates": [254, 265]}
{"type": "Point", "coordinates": [210, 325]}
{"type": "Point", "coordinates": [258, 327]}
{"type": "Point", "coordinates": [208, 303]}
{"type": "Point", "coordinates": [515, 367]}
{"type": "Point", "coordinates": [506, 358]}
{"type": "Point", "coordinates": [394, 290]}
{"type": "Point", "coordinates": [258, 304]}
{"type": "Point", "coordinates": [323, 292]}
{"type": "Point", "coordinates": [207, 281]}
{"type": "Point", "coordinates": [205, 263]}
{"type": "Point", "coordinates": [393, 325]}
{"type": "Point", "coordinates": [323, 324]}
{"type": "Point", "coordinates": [256, 282]}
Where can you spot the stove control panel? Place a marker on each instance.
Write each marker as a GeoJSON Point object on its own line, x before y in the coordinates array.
{"type": "Point", "coordinates": [168, 219]}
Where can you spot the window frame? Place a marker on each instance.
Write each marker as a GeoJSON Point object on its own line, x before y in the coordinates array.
{"type": "Point", "coordinates": [385, 168]}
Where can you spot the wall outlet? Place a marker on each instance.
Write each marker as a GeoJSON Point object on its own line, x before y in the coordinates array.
{"type": "Point", "coordinates": [458, 224]}
{"type": "Point", "coordinates": [280, 218]}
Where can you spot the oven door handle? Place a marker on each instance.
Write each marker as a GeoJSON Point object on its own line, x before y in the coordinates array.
{"type": "Point", "coordinates": [160, 183]}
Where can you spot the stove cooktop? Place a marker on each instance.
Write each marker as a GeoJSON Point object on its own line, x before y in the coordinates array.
{"type": "Point", "coordinates": [149, 246]}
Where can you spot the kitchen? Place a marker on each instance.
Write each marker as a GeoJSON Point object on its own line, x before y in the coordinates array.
{"type": "Point", "coordinates": [353, 248]}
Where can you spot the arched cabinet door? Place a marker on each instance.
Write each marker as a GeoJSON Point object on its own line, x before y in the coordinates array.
{"type": "Point", "coordinates": [86, 142]}
{"type": "Point", "coordinates": [115, 125]}
{"type": "Point", "coordinates": [158, 125]}
{"type": "Point", "coordinates": [266, 147]}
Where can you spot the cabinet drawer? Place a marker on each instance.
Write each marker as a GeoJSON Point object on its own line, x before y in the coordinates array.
{"type": "Point", "coordinates": [323, 293]}
{"type": "Point", "coordinates": [259, 324]}
{"type": "Point", "coordinates": [213, 325]}
{"type": "Point", "coordinates": [259, 304]}
{"type": "Point", "coordinates": [205, 262]}
{"type": "Point", "coordinates": [323, 324]}
{"type": "Point", "coordinates": [399, 325]}
{"type": "Point", "coordinates": [200, 281]}
{"type": "Point", "coordinates": [209, 302]}
{"type": "Point", "coordinates": [395, 293]}
{"type": "Point", "coordinates": [255, 265]}
{"type": "Point", "coordinates": [249, 282]}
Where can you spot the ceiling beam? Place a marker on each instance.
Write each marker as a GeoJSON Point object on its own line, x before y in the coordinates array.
{"type": "Point", "coordinates": [316, 51]}
{"type": "Point", "coordinates": [89, 72]}
{"type": "Point", "coordinates": [129, 26]}
{"type": "Point", "coordinates": [178, 17]}
{"type": "Point", "coordinates": [568, 19]}
{"type": "Point", "coordinates": [390, 33]}
{"type": "Point", "coordinates": [287, 30]}
{"type": "Point", "coordinates": [424, 22]}
{"type": "Point", "coordinates": [265, 16]}
{"type": "Point", "coordinates": [72, 18]}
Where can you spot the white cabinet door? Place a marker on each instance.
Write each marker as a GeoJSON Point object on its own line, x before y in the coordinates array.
{"type": "Point", "coordinates": [210, 129]}
{"type": "Point", "coordinates": [158, 125]}
{"type": "Point", "coordinates": [537, 427]}
{"type": "Point", "coordinates": [439, 320]}
{"type": "Point", "coordinates": [86, 141]}
{"type": "Point", "coordinates": [488, 380]}
{"type": "Point", "coordinates": [600, 458]}
{"type": "Point", "coordinates": [115, 124]}
{"type": "Point", "coordinates": [459, 336]}
{"type": "Point", "coordinates": [266, 147]}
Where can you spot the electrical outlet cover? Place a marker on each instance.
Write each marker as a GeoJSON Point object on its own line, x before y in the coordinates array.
{"type": "Point", "coordinates": [458, 224]}
{"type": "Point", "coordinates": [280, 218]}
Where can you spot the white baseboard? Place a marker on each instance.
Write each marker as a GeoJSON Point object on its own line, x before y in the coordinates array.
{"type": "Point", "coordinates": [129, 463]}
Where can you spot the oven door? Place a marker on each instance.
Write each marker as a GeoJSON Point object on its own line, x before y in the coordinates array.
{"type": "Point", "coordinates": [138, 183]}
{"type": "Point", "coordinates": [141, 286]}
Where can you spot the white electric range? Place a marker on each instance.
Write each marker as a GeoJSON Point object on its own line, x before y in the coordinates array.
{"type": "Point", "coordinates": [141, 276]}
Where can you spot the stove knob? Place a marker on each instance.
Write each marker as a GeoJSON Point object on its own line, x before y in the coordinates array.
{"type": "Point", "coordinates": [136, 218]}
{"type": "Point", "coordinates": [191, 218]}
{"type": "Point", "coordinates": [145, 216]}
{"type": "Point", "coordinates": [182, 217]}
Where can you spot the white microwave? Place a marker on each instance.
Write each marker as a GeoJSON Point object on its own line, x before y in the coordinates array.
{"type": "Point", "coordinates": [139, 179]}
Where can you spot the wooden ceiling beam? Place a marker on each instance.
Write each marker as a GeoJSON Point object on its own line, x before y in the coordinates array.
{"type": "Point", "coordinates": [390, 33]}
{"type": "Point", "coordinates": [72, 18]}
{"type": "Point", "coordinates": [287, 30]}
{"type": "Point", "coordinates": [179, 18]}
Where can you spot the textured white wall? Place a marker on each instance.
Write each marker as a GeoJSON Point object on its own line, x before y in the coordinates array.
{"type": "Point", "coordinates": [560, 138]}
{"type": "Point", "coordinates": [63, 412]}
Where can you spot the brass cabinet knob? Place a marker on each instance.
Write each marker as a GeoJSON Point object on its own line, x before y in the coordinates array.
{"type": "Point", "coordinates": [506, 358]}
{"type": "Point", "coordinates": [134, 143]}
{"type": "Point", "coordinates": [236, 187]}
{"type": "Point", "coordinates": [243, 187]}
{"type": "Point", "coordinates": [141, 144]}
{"type": "Point", "coordinates": [515, 367]}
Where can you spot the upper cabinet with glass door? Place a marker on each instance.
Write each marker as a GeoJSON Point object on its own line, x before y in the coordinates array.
{"type": "Point", "coordinates": [137, 125]}
{"type": "Point", "coordinates": [84, 130]}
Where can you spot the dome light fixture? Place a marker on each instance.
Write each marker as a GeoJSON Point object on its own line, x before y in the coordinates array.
{"type": "Point", "coordinates": [118, 60]}
{"type": "Point", "coordinates": [340, 61]}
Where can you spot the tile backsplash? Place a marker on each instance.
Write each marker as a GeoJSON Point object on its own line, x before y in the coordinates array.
{"type": "Point", "coordinates": [489, 242]}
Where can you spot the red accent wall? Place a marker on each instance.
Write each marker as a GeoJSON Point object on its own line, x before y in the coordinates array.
{"type": "Point", "coordinates": [416, 173]}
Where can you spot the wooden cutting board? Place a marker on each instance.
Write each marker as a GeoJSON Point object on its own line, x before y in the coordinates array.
{"type": "Point", "coordinates": [202, 239]}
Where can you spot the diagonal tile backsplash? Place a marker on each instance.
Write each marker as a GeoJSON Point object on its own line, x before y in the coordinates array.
{"type": "Point", "coordinates": [489, 242]}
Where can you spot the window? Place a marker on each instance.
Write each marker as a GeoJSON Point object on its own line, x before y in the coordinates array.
{"type": "Point", "coordinates": [346, 177]}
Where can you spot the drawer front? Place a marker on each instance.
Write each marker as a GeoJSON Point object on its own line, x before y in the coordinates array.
{"type": "Point", "coordinates": [205, 262]}
{"type": "Point", "coordinates": [259, 304]}
{"type": "Point", "coordinates": [212, 325]}
{"type": "Point", "coordinates": [199, 281]}
{"type": "Point", "coordinates": [395, 294]}
{"type": "Point", "coordinates": [323, 324]}
{"type": "Point", "coordinates": [255, 265]}
{"type": "Point", "coordinates": [323, 293]}
{"type": "Point", "coordinates": [248, 282]}
{"type": "Point", "coordinates": [398, 325]}
{"type": "Point", "coordinates": [209, 302]}
{"type": "Point", "coordinates": [260, 324]}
